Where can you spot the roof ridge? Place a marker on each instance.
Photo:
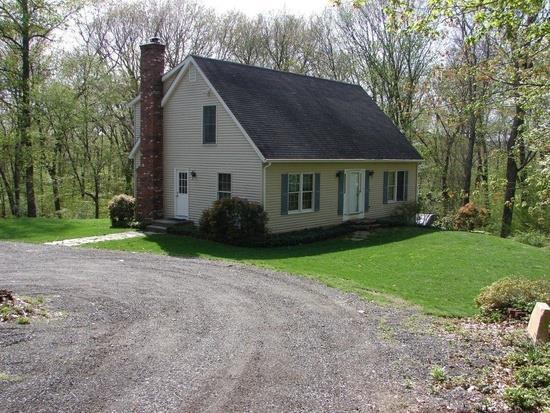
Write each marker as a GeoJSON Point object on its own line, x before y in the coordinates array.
{"type": "Point", "coordinates": [274, 70]}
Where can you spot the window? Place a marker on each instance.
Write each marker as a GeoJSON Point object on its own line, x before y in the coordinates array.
{"type": "Point", "coordinates": [224, 186]}
{"type": "Point", "coordinates": [209, 124]}
{"type": "Point", "coordinates": [391, 186]}
{"type": "Point", "coordinates": [395, 189]}
{"type": "Point", "coordinates": [300, 192]}
{"type": "Point", "coordinates": [182, 183]}
{"type": "Point", "coordinates": [400, 196]}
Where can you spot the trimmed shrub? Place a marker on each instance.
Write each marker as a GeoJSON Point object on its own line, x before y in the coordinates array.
{"type": "Point", "coordinates": [405, 213]}
{"type": "Point", "coordinates": [535, 239]}
{"type": "Point", "coordinates": [470, 217]}
{"type": "Point", "coordinates": [515, 293]}
{"type": "Point", "coordinates": [234, 221]}
{"type": "Point", "coordinates": [121, 210]}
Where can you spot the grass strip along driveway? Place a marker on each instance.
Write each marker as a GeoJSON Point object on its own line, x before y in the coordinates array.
{"type": "Point", "coordinates": [440, 271]}
{"type": "Point", "coordinates": [38, 230]}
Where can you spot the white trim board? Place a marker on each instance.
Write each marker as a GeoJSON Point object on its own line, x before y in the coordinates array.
{"type": "Point", "coordinates": [134, 150]}
{"type": "Point", "coordinates": [175, 83]}
{"type": "Point", "coordinates": [134, 101]}
{"type": "Point", "coordinates": [344, 160]}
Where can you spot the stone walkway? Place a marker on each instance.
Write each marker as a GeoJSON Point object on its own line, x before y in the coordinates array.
{"type": "Point", "coordinates": [99, 238]}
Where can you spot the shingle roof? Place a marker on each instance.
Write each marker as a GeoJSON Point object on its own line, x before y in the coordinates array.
{"type": "Point", "coordinates": [290, 116]}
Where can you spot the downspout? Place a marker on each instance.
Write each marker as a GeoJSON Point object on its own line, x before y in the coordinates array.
{"type": "Point", "coordinates": [264, 185]}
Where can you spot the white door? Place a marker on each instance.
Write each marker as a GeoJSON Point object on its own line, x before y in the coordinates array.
{"type": "Point", "coordinates": [182, 196]}
{"type": "Point", "coordinates": [353, 192]}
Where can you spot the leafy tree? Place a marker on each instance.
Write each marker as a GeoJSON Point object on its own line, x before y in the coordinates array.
{"type": "Point", "coordinates": [24, 26]}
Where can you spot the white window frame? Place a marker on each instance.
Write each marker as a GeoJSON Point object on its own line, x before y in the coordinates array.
{"type": "Point", "coordinates": [301, 192]}
{"type": "Point", "coordinates": [218, 192]}
{"type": "Point", "coordinates": [396, 172]}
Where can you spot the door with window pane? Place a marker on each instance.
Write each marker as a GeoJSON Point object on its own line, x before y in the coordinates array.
{"type": "Point", "coordinates": [353, 192]}
{"type": "Point", "coordinates": [181, 185]}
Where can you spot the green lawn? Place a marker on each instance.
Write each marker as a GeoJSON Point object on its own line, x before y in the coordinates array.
{"type": "Point", "coordinates": [440, 271]}
{"type": "Point", "coordinates": [53, 229]}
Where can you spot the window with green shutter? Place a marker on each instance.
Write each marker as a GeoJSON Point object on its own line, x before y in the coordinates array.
{"type": "Point", "coordinates": [395, 186]}
{"type": "Point", "coordinates": [301, 192]}
{"type": "Point", "coordinates": [209, 124]}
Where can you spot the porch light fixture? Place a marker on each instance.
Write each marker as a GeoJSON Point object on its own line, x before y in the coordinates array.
{"type": "Point", "coordinates": [193, 174]}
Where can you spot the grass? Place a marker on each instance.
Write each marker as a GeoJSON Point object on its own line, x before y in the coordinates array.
{"type": "Point", "coordinates": [39, 230]}
{"type": "Point", "coordinates": [8, 377]}
{"type": "Point", "coordinates": [440, 271]}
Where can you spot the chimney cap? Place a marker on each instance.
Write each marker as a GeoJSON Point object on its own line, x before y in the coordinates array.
{"type": "Point", "coordinates": [154, 40]}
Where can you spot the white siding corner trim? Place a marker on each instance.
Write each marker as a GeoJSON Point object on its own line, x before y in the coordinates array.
{"type": "Point", "coordinates": [134, 149]}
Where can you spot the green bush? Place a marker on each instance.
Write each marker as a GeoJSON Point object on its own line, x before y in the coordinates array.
{"type": "Point", "coordinates": [121, 210]}
{"type": "Point", "coordinates": [405, 213]}
{"type": "Point", "coordinates": [446, 223]}
{"type": "Point", "coordinates": [516, 293]}
{"type": "Point", "coordinates": [527, 400]}
{"type": "Point", "coordinates": [234, 221]}
{"type": "Point", "coordinates": [470, 217]}
{"type": "Point", "coordinates": [533, 238]}
{"type": "Point", "coordinates": [467, 218]}
{"type": "Point", "coordinates": [528, 354]}
{"type": "Point", "coordinates": [534, 376]}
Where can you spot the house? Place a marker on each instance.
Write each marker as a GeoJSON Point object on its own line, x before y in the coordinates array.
{"type": "Point", "coordinates": [313, 152]}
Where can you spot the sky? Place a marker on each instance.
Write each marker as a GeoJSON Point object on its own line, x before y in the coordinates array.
{"type": "Point", "coordinates": [253, 7]}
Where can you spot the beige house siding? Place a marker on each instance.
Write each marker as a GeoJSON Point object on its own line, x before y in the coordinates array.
{"type": "Point", "coordinates": [137, 120]}
{"type": "Point", "coordinates": [183, 149]}
{"type": "Point", "coordinates": [328, 213]}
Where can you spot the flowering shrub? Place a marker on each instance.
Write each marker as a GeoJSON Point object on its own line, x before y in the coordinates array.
{"type": "Point", "coordinates": [121, 210]}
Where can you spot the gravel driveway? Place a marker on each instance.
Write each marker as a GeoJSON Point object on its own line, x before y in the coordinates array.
{"type": "Point", "coordinates": [147, 333]}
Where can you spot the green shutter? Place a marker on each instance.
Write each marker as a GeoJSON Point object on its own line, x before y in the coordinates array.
{"type": "Point", "coordinates": [341, 190]}
{"type": "Point", "coordinates": [385, 189]}
{"type": "Point", "coordinates": [317, 192]}
{"type": "Point", "coordinates": [367, 185]}
{"type": "Point", "coordinates": [406, 186]}
{"type": "Point", "coordinates": [284, 194]}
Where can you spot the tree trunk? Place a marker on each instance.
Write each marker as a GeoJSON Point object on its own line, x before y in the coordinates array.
{"type": "Point", "coordinates": [25, 110]}
{"type": "Point", "coordinates": [483, 172]}
{"type": "Point", "coordinates": [445, 178]}
{"type": "Point", "coordinates": [16, 175]}
{"type": "Point", "coordinates": [55, 190]}
{"type": "Point", "coordinates": [511, 173]}
{"type": "Point", "coordinates": [96, 197]}
{"type": "Point", "coordinates": [9, 193]}
{"type": "Point", "coordinates": [3, 212]}
{"type": "Point", "coordinates": [468, 163]}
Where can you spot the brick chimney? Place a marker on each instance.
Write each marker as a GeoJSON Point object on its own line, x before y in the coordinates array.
{"type": "Point", "coordinates": [149, 202]}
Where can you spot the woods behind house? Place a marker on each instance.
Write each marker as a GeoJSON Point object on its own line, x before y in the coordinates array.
{"type": "Point", "coordinates": [467, 82]}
